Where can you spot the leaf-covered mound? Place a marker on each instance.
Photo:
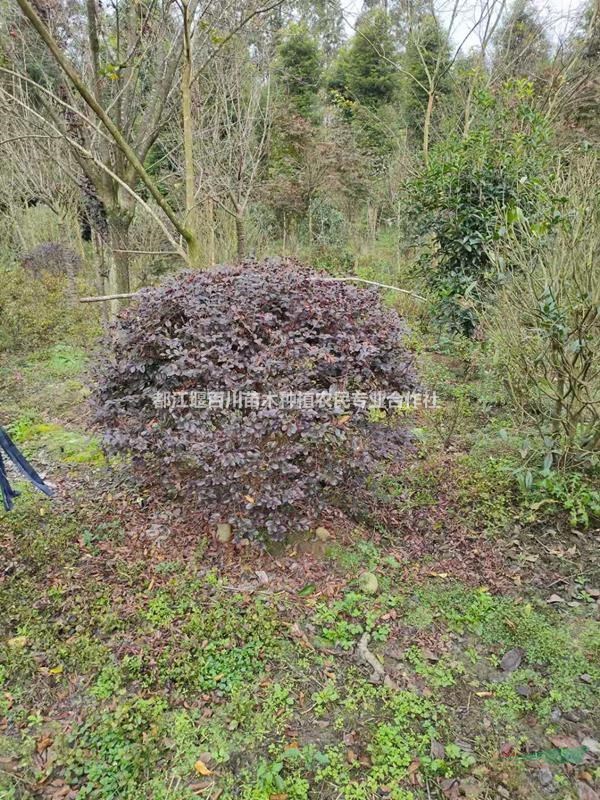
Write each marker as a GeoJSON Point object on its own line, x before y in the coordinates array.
{"type": "Point", "coordinates": [269, 328]}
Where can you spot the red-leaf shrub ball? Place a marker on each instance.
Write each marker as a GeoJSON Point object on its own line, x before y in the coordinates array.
{"type": "Point", "coordinates": [269, 328]}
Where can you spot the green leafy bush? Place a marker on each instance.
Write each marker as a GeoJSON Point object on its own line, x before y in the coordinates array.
{"type": "Point", "coordinates": [545, 326]}
{"type": "Point", "coordinates": [477, 186]}
{"type": "Point", "coordinates": [37, 313]}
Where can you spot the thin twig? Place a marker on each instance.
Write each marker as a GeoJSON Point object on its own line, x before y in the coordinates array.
{"type": "Point", "coordinates": [382, 285]}
{"type": "Point", "coordinates": [107, 297]}
{"type": "Point", "coordinates": [149, 252]}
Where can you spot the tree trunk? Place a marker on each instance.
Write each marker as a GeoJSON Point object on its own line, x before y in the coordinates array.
{"type": "Point", "coordinates": [191, 215]}
{"type": "Point", "coordinates": [284, 243]}
{"type": "Point", "coordinates": [427, 125]}
{"type": "Point", "coordinates": [467, 116]}
{"type": "Point", "coordinates": [240, 230]}
{"type": "Point", "coordinates": [211, 250]}
{"type": "Point", "coordinates": [63, 234]}
{"type": "Point", "coordinates": [119, 282]}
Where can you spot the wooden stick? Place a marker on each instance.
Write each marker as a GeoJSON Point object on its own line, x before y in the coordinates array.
{"type": "Point", "coordinates": [382, 285]}
{"type": "Point", "coordinates": [107, 297]}
{"type": "Point", "coordinates": [149, 252]}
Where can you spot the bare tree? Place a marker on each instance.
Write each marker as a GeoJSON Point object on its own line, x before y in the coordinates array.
{"type": "Point", "coordinates": [107, 80]}
{"type": "Point", "coordinates": [232, 114]}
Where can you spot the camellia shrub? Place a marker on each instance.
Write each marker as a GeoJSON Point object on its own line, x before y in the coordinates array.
{"type": "Point", "coordinates": [208, 386]}
{"type": "Point", "coordinates": [477, 188]}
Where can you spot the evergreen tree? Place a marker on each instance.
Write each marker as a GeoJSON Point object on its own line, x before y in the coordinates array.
{"type": "Point", "coordinates": [402, 15]}
{"type": "Point", "coordinates": [366, 71]}
{"type": "Point", "coordinates": [521, 46]}
{"type": "Point", "coordinates": [324, 20]}
{"type": "Point", "coordinates": [300, 70]}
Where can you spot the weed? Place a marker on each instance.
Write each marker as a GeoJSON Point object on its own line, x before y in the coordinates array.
{"type": "Point", "coordinates": [441, 674]}
{"type": "Point", "coordinates": [325, 698]}
{"type": "Point", "coordinates": [113, 752]}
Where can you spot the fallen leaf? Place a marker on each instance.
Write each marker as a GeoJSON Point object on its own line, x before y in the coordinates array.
{"type": "Point", "coordinates": [43, 743]}
{"type": "Point", "coordinates": [414, 766]}
{"type": "Point", "coordinates": [451, 788]}
{"type": "Point", "coordinates": [563, 741]}
{"type": "Point", "coordinates": [437, 750]}
{"type": "Point", "coordinates": [592, 745]}
{"type": "Point", "coordinates": [201, 768]}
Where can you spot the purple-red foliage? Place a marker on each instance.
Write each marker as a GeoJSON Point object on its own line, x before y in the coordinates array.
{"type": "Point", "coordinates": [268, 328]}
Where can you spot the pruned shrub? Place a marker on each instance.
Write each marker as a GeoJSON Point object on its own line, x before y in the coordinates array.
{"type": "Point", "coordinates": [55, 258]}
{"type": "Point", "coordinates": [35, 313]}
{"type": "Point", "coordinates": [261, 330]}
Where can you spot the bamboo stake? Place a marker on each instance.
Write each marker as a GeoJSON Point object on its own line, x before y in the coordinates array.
{"type": "Point", "coordinates": [108, 297]}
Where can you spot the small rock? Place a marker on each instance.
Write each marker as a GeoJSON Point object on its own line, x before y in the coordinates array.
{"type": "Point", "coordinates": [585, 792]}
{"type": "Point", "coordinates": [512, 660]}
{"type": "Point", "coordinates": [368, 583]}
{"type": "Point", "coordinates": [503, 791]}
{"type": "Point", "coordinates": [595, 593]}
{"type": "Point", "coordinates": [593, 745]}
{"type": "Point", "coordinates": [322, 534]}
{"type": "Point", "coordinates": [573, 716]}
{"type": "Point", "coordinates": [585, 678]}
{"type": "Point", "coordinates": [437, 750]}
{"type": "Point", "coordinates": [524, 691]}
{"type": "Point", "coordinates": [545, 776]}
{"type": "Point", "coordinates": [429, 655]}
{"type": "Point", "coordinates": [555, 714]}
{"type": "Point", "coordinates": [224, 533]}
{"type": "Point", "coordinates": [555, 598]}
{"type": "Point", "coordinates": [471, 788]}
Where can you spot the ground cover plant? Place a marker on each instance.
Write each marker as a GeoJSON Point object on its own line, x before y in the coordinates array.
{"type": "Point", "coordinates": [233, 238]}
{"type": "Point", "coordinates": [428, 650]}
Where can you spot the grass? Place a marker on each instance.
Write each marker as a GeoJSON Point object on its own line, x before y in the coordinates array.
{"type": "Point", "coordinates": [137, 682]}
{"type": "Point", "coordinates": [133, 669]}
